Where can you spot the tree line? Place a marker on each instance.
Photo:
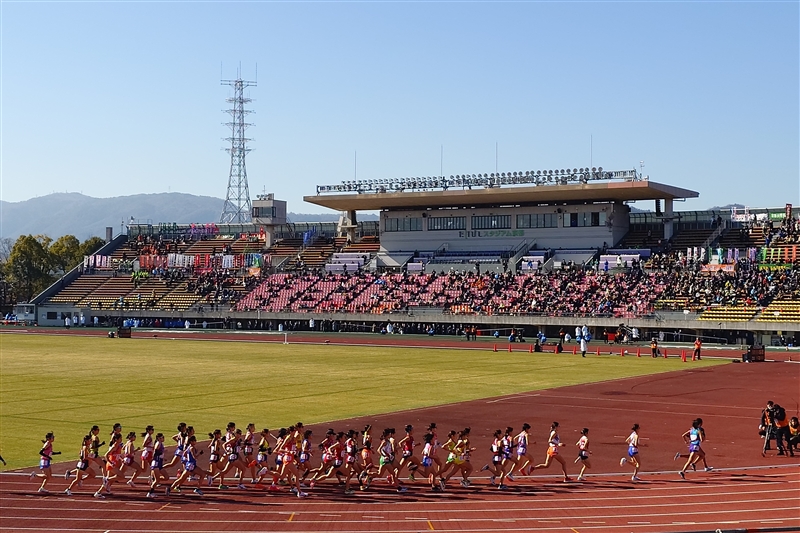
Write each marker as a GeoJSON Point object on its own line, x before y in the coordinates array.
{"type": "Point", "coordinates": [33, 262]}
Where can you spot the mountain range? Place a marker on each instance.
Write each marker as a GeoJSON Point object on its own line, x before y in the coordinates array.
{"type": "Point", "coordinates": [76, 214]}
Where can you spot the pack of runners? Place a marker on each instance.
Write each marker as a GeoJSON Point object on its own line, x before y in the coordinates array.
{"type": "Point", "coordinates": [291, 457]}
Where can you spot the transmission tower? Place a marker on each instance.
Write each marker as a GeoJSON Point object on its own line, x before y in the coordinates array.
{"type": "Point", "coordinates": [237, 208]}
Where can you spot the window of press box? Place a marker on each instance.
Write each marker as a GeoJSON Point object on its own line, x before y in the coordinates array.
{"type": "Point", "coordinates": [403, 224]}
{"type": "Point", "coordinates": [447, 223]}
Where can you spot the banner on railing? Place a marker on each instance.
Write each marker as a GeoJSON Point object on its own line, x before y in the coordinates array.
{"type": "Point", "coordinates": [202, 261]}
{"type": "Point", "coordinates": [718, 268]}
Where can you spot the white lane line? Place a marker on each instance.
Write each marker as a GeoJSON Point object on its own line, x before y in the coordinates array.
{"type": "Point", "coordinates": [571, 516]}
{"type": "Point", "coordinates": [558, 529]}
{"type": "Point", "coordinates": [374, 517]}
{"type": "Point", "coordinates": [474, 508]}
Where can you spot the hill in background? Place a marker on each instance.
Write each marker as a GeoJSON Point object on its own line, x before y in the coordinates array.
{"type": "Point", "coordinates": [84, 216]}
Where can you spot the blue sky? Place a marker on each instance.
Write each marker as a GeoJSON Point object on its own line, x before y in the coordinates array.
{"type": "Point", "coordinates": [124, 97]}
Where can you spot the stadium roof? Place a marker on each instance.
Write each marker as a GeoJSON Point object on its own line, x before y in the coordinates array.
{"type": "Point", "coordinates": [619, 191]}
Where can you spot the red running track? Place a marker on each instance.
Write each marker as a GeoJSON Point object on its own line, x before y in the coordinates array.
{"type": "Point", "coordinates": [744, 492]}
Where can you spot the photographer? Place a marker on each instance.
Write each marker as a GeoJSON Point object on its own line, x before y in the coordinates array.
{"type": "Point", "coordinates": [765, 427]}
{"type": "Point", "coordinates": [782, 429]}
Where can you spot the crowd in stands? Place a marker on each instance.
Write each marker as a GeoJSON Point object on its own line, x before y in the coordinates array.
{"type": "Point", "coordinates": [565, 292]}
{"type": "Point", "coordinates": [220, 287]}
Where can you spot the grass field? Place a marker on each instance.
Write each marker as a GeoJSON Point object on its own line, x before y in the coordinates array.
{"type": "Point", "coordinates": [65, 384]}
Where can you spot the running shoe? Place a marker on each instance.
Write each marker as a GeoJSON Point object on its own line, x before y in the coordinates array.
{"type": "Point", "coordinates": [177, 489]}
{"type": "Point", "coordinates": [694, 467]}
{"type": "Point", "coordinates": [367, 483]}
{"type": "Point", "coordinates": [580, 478]}
{"type": "Point", "coordinates": [68, 492]}
{"type": "Point", "coordinates": [683, 476]}
{"type": "Point", "coordinates": [293, 490]}
{"type": "Point", "coordinates": [485, 468]}
{"type": "Point", "coordinates": [263, 471]}
{"type": "Point", "coordinates": [302, 494]}
{"type": "Point", "coordinates": [464, 483]}
{"type": "Point", "coordinates": [43, 490]}
{"type": "Point", "coordinates": [492, 480]}
{"type": "Point", "coordinates": [349, 492]}
{"type": "Point", "coordinates": [198, 491]}
{"type": "Point", "coordinates": [677, 456]}
{"type": "Point", "coordinates": [67, 474]}
{"type": "Point", "coordinates": [402, 489]}
{"type": "Point", "coordinates": [99, 496]}
{"type": "Point", "coordinates": [130, 483]}
{"type": "Point", "coordinates": [150, 494]}
{"type": "Point", "coordinates": [442, 484]}
{"type": "Point", "coordinates": [240, 486]}
{"type": "Point", "coordinates": [636, 478]}
{"type": "Point", "coordinates": [510, 476]}
{"type": "Point", "coordinates": [33, 474]}
{"type": "Point", "coordinates": [210, 480]}
{"type": "Point", "coordinates": [502, 486]}
{"type": "Point", "coordinates": [709, 468]}
{"type": "Point", "coordinates": [567, 479]}
{"type": "Point", "coordinates": [411, 477]}
{"type": "Point", "coordinates": [311, 485]}
{"type": "Point", "coordinates": [622, 461]}
{"type": "Point", "coordinates": [167, 490]}
{"type": "Point", "coordinates": [274, 488]}
{"type": "Point", "coordinates": [223, 487]}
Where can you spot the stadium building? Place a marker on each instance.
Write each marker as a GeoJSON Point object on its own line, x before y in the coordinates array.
{"type": "Point", "coordinates": [535, 251]}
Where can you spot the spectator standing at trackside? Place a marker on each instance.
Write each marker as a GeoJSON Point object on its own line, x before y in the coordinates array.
{"type": "Point", "coordinates": [654, 347]}
{"type": "Point", "coordinates": [697, 345]}
{"type": "Point", "coordinates": [67, 321]}
{"type": "Point", "coordinates": [781, 429]}
{"type": "Point", "coordinates": [584, 346]}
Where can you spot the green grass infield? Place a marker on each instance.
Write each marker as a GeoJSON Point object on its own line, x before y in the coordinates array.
{"type": "Point", "coordinates": [65, 384]}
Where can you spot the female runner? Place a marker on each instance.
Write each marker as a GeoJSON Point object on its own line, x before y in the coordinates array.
{"type": "Point", "coordinates": [428, 466]}
{"type": "Point", "coordinates": [496, 468]}
{"type": "Point", "coordinates": [583, 453]}
{"type": "Point", "coordinates": [701, 454]}
{"type": "Point", "coordinates": [94, 455]}
{"type": "Point", "coordinates": [147, 447]}
{"type": "Point", "coordinates": [459, 457]}
{"type": "Point", "coordinates": [232, 449]}
{"type": "Point", "coordinates": [336, 451]}
{"type": "Point", "coordinates": [327, 458]}
{"type": "Point", "coordinates": [287, 449]}
{"type": "Point", "coordinates": [407, 456]}
{"type": "Point", "coordinates": [247, 452]}
{"type": "Point", "coordinates": [129, 450]}
{"type": "Point", "coordinates": [350, 460]}
{"type": "Point", "coordinates": [262, 459]}
{"type": "Point", "coordinates": [465, 451]}
{"type": "Point", "coordinates": [552, 452]}
{"type": "Point", "coordinates": [509, 458]}
{"type": "Point", "coordinates": [180, 439]}
{"type": "Point", "coordinates": [190, 467]}
{"type": "Point", "coordinates": [524, 458]}
{"type": "Point", "coordinates": [452, 462]}
{"type": "Point", "coordinates": [436, 445]}
{"type": "Point", "coordinates": [214, 454]}
{"type": "Point", "coordinates": [157, 473]}
{"type": "Point", "coordinates": [694, 440]}
{"type": "Point", "coordinates": [113, 460]}
{"type": "Point", "coordinates": [45, 457]}
{"type": "Point", "coordinates": [83, 466]}
{"type": "Point", "coordinates": [387, 456]}
{"type": "Point", "coordinates": [368, 467]}
{"type": "Point", "coordinates": [633, 452]}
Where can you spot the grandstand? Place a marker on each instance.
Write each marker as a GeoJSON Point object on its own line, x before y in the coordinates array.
{"type": "Point", "coordinates": [526, 250]}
